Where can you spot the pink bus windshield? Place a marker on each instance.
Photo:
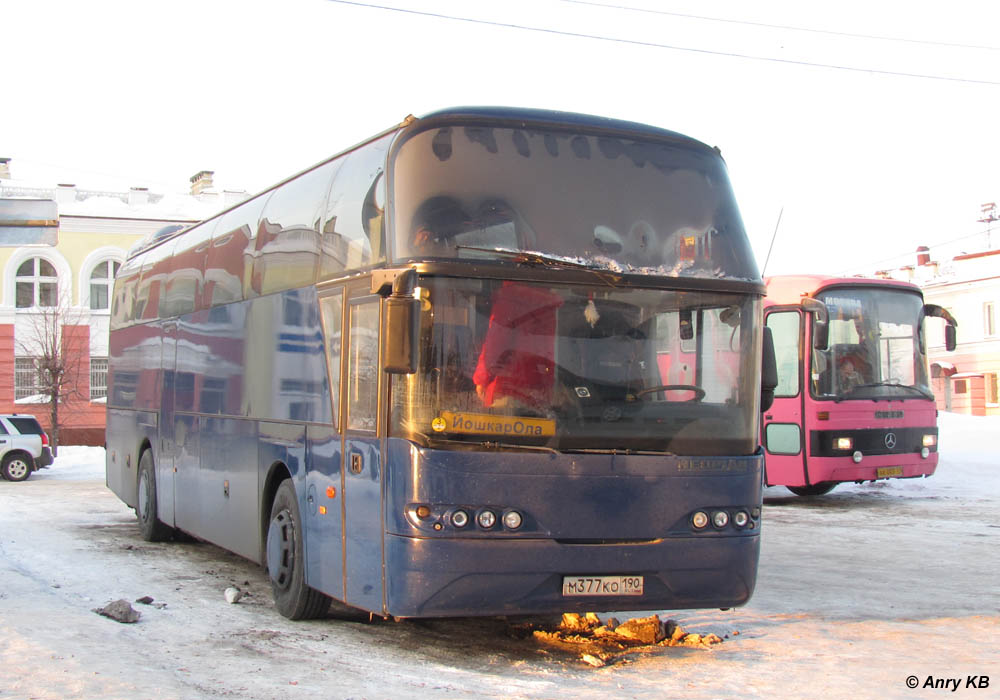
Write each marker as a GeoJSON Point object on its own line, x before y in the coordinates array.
{"type": "Point", "coordinates": [874, 349]}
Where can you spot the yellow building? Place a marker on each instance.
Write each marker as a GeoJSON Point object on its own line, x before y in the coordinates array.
{"type": "Point", "coordinates": [60, 247]}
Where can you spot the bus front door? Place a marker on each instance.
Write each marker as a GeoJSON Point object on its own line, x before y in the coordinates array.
{"type": "Point", "coordinates": [783, 440]}
{"type": "Point", "coordinates": [363, 468]}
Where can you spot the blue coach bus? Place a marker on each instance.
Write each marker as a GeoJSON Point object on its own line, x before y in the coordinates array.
{"type": "Point", "coordinates": [490, 361]}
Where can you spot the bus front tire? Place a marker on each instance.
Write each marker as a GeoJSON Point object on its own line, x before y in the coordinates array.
{"type": "Point", "coordinates": [286, 563]}
{"type": "Point", "coordinates": [150, 525]}
{"type": "Point", "coordinates": [814, 490]}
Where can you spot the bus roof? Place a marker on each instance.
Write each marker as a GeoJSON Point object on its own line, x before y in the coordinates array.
{"type": "Point", "coordinates": [545, 117]}
{"type": "Point", "coordinates": [789, 289]}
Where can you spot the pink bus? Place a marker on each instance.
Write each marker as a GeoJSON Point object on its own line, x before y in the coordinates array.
{"type": "Point", "coordinates": [853, 401]}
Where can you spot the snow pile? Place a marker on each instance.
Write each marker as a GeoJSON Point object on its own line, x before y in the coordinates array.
{"type": "Point", "coordinates": [75, 463]}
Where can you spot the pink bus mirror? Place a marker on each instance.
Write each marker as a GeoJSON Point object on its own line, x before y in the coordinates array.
{"type": "Point", "coordinates": [950, 338]}
{"type": "Point", "coordinates": [821, 321]}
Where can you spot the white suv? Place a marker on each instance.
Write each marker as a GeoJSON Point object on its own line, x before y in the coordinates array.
{"type": "Point", "coordinates": [24, 446]}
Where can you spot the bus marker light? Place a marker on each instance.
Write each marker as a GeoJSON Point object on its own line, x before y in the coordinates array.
{"type": "Point", "coordinates": [699, 519]}
{"type": "Point", "coordinates": [857, 456]}
{"type": "Point", "coordinates": [512, 520]}
{"type": "Point", "coordinates": [459, 518]}
{"type": "Point", "coordinates": [823, 415]}
{"type": "Point", "coordinates": [741, 518]}
{"type": "Point", "coordinates": [423, 512]}
{"type": "Point", "coordinates": [843, 443]}
{"type": "Point", "coordinates": [720, 518]}
{"type": "Point", "coordinates": [331, 492]}
{"type": "Point", "coordinates": [924, 452]}
{"type": "Point", "coordinates": [322, 510]}
{"type": "Point", "coordinates": [930, 440]}
{"type": "Point", "coordinates": [487, 519]}
{"type": "Point", "coordinates": [755, 513]}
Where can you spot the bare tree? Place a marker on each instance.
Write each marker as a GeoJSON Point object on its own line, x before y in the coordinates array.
{"type": "Point", "coordinates": [57, 340]}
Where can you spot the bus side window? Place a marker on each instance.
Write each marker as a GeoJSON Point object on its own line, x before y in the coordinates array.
{"type": "Point", "coordinates": [230, 258]}
{"type": "Point", "coordinates": [182, 287]}
{"type": "Point", "coordinates": [353, 233]}
{"type": "Point", "coordinates": [286, 253]}
{"type": "Point", "coordinates": [784, 327]}
{"type": "Point", "coordinates": [362, 364]}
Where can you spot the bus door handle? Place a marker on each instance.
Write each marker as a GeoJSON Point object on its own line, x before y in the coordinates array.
{"type": "Point", "coordinates": [357, 463]}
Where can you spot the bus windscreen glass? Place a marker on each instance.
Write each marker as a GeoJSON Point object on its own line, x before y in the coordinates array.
{"type": "Point", "coordinates": [874, 349]}
{"type": "Point", "coordinates": [601, 201]}
{"type": "Point", "coordinates": [579, 367]}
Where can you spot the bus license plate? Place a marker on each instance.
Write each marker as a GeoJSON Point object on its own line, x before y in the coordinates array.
{"type": "Point", "coordinates": [886, 472]}
{"type": "Point", "coordinates": [601, 585]}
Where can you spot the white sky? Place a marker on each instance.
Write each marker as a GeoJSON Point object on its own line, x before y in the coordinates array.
{"type": "Point", "coordinates": [866, 166]}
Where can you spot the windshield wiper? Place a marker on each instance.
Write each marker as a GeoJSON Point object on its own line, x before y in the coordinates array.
{"type": "Point", "coordinates": [896, 385]}
{"type": "Point", "coordinates": [529, 257]}
{"type": "Point", "coordinates": [511, 446]}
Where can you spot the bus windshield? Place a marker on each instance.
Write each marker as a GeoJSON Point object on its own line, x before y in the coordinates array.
{"type": "Point", "coordinates": [602, 201]}
{"type": "Point", "coordinates": [579, 367]}
{"type": "Point", "coordinates": [874, 349]}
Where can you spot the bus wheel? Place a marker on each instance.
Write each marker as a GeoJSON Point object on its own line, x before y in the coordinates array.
{"type": "Point", "coordinates": [150, 525]}
{"type": "Point", "coordinates": [286, 563]}
{"type": "Point", "coordinates": [16, 467]}
{"type": "Point", "coordinates": [814, 490]}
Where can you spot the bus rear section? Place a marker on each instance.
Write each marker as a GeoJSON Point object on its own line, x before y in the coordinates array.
{"type": "Point", "coordinates": [853, 401]}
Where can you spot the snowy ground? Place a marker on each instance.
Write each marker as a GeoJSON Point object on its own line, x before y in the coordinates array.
{"type": "Point", "coordinates": [858, 590]}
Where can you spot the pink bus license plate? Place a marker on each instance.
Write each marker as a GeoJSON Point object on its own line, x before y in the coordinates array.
{"type": "Point", "coordinates": [601, 585]}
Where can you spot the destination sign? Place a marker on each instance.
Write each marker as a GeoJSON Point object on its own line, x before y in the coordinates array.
{"type": "Point", "coordinates": [487, 424]}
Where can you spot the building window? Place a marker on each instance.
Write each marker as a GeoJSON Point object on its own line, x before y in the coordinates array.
{"type": "Point", "coordinates": [989, 320]}
{"type": "Point", "coordinates": [102, 280]}
{"type": "Point", "coordinates": [98, 377]}
{"type": "Point", "coordinates": [27, 381]}
{"type": "Point", "coordinates": [37, 284]}
{"type": "Point", "coordinates": [992, 396]}
{"type": "Point", "coordinates": [960, 386]}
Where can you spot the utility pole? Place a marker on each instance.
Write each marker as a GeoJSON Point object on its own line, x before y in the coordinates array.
{"type": "Point", "coordinates": [989, 214]}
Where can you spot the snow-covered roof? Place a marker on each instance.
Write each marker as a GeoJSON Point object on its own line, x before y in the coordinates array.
{"type": "Point", "coordinates": [136, 203]}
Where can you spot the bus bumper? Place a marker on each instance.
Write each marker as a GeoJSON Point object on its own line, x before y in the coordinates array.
{"type": "Point", "coordinates": [871, 467]}
{"type": "Point", "coordinates": [441, 577]}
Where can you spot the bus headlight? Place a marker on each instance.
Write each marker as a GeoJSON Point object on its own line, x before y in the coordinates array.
{"type": "Point", "coordinates": [720, 518]}
{"type": "Point", "coordinates": [486, 519]}
{"type": "Point", "coordinates": [459, 518]}
{"type": "Point", "coordinates": [930, 440]}
{"type": "Point", "coordinates": [924, 452]}
{"type": "Point", "coordinates": [843, 443]}
{"type": "Point", "coordinates": [699, 519]}
{"type": "Point", "coordinates": [857, 456]}
{"type": "Point", "coordinates": [512, 520]}
{"type": "Point", "coordinates": [740, 519]}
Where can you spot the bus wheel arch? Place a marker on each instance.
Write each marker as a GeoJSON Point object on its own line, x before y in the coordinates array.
{"type": "Point", "coordinates": [285, 560]}
{"type": "Point", "coordinates": [151, 527]}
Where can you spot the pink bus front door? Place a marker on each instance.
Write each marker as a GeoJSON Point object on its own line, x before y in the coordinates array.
{"type": "Point", "coordinates": [784, 443]}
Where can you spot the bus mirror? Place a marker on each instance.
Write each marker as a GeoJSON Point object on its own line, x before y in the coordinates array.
{"type": "Point", "coordinates": [402, 325]}
{"type": "Point", "coordinates": [768, 372]}
{"type": "Point", "coordinates": [950, 338]}
{"type": "Point", "coordinates": [950, 335]}
{"type": "Point", "coordinates": [821, 321]}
